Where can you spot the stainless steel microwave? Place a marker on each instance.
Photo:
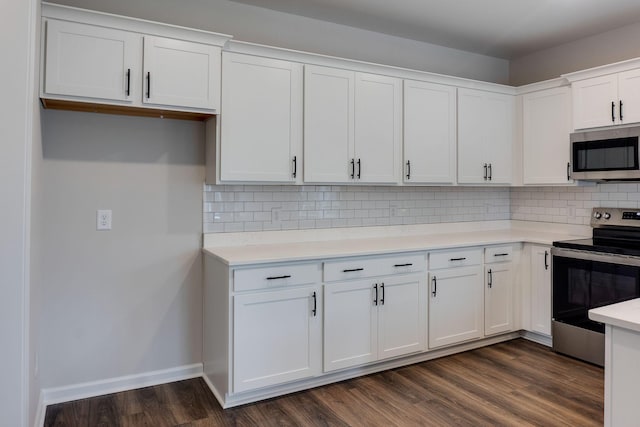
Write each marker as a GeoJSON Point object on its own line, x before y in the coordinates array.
{"type": "Point", "coordinates": [606, 154]}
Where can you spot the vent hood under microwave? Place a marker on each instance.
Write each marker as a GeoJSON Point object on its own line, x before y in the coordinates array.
{"type": "Point", "coordinates": [606, 154]}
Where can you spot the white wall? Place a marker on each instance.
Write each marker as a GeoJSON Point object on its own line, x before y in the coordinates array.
{"type": "Point", "coordinates": [125, 301]}
{"type": "Point", "coordinates": [16, 46]}
{"type": "Point", "coordinates": [259, 25]}
{"type": "Point", "coordinates": [600, 49]}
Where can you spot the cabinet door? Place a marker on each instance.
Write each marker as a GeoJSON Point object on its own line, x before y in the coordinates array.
{"type": "Point", "coordinates": [546, 122]}
{"type": "Point", "coordinates": [328, 124]}
{"type": "Point", "coordinates": [429, 133]}
{"type": "Point", "coordinates": [456, 306]}
{"type": "Point", "coordinates": [499, 119]}
{"type": "Point", "coordinates": [541, 289]}
{"type": "Point", "coordinates": [498, 298]}
{"type": "Point", "coordinates": [261, 122]}
{"type": "Point", "coordinates": [92, 62]}
{"type": "Point", "coordinates": [181, 74]}
{"type": "Point", "coordinates": [472, 155]}
{"type": "Point", "coordinates": [402, 322]}
{"type": "Point", "coordinates": [629, 96]}
{"type": "Point", "coordinates": [277, 337]}
{"type": "Point", "coordinates": [485, 137]}
{"type": "Point", "coordinates": [350, 324]}
{"type": "Point", "coordinates": [378, 133]}
{"type": "Point", "coordinates": [592, 102]}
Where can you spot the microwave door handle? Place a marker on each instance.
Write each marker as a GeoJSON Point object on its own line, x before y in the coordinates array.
{"type": "Point", "coordinates": [613, 111]}
{"type": "Point", "coordinates": [568, 171]}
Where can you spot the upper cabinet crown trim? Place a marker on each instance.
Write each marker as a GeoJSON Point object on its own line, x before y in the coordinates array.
{"type": "Point", "coordinates": [543, 85]}
{"type": "Point", "coordinates": [362, 66]}
{"type": "Point", "coordinates": [616, 67]}
{"type": "Point", "coordinates": [73, 14]}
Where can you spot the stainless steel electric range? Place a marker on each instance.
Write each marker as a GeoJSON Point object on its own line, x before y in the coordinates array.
{"type": "Point", "coordinates": [590, 273]}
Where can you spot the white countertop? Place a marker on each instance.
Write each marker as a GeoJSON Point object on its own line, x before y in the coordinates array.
{"type": "Point", "coordinates": [623, 314]}
{"type": "Point", "coordinates": [260, 248]}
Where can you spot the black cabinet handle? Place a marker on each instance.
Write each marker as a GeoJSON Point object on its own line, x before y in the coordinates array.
{"type": "Point", "coordinates": [490, 172]}
{"type": "Point", "coordinates": [403, 265]}
{"type": "Point", "coordinates": [408, 170]}
{"type": "Point", "coordinates": [350, 270]}
{"type": "Point", "coordinates": [128, 81]}
{"type": "Point", "coordinates": [148, 84]}
{"type": "Point", "coordinates": [485, 171]}
{"type": "Point", "coordinates": [359, 168]}
{"type": "Point", "coordinates": [315, 305]}
{"type": "Point", "coordinates": [375, 301]}
{"type": "Point", "coordinates": [279, 277]}
{"type": "Point", "coordinates": [382, 299]}
{"type": "Point", "coordinates": [353, 168]}
{"type": "Point", "coordinates": [620, 110]}
{"type": "Point", "coordinates": [546, 260]}
{"type": "Point", "coordinates": [613, 111]}
{"type": "Point", "coordinates": [490, 272]}
{"type": "Point", "coordinates": [457, 259]}
{"type": "Point", "coordinates": [435, 286]}
{"type": "Point", "coordinates": [295, 166]}
{"type": "Point", "coordinates": [504, 254]}
{"type": "Point", "coordinates": [568, 171]}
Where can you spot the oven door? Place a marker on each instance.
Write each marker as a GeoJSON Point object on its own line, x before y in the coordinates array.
{"type": "Point", "coordinates": [583, 280]}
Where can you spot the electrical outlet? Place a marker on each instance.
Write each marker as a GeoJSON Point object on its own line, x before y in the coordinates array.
{"type": "Point", "coordinates": [103, 219]}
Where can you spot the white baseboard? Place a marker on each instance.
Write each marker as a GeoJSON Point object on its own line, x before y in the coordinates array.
{"type": "Point", "coordinates": [535, 337]}
{"type": "Point", "coordinates": [50, 396]}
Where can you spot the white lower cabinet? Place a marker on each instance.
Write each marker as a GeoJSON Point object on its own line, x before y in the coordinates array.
{"type": "Point", "coordinates": [540, 289]}
{"type": "Point", "coordinates": [366, 320]}
{"type": "Point", "coordinates": [277, 337]}
{"type": "Point", "coordinates": [456, 308]}
{"type": "Point", "coordinates": [498, 291]}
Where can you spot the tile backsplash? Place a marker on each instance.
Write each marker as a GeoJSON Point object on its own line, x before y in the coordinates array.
{"type": "Point", "coordinates": [234, 208]}
{"type": "Point", "coordinates": [570, 205]}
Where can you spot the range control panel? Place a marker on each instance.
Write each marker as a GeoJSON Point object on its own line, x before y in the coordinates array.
{"type": "Point", "coordinates": [615, 216]}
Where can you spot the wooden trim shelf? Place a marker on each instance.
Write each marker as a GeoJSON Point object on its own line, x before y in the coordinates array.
{"type": "Point", "coordinates": [57, 104]}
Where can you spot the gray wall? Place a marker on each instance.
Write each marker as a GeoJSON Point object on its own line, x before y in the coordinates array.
{"type": "Point", "coordinates": [599, 49]}
{"type": "Point", "coordinates": [259, 25]}
{"type": "Point", "coordinates": [124, 301]}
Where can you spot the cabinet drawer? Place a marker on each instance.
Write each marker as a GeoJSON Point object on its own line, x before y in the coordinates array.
{"type": "Point", "coordinates": [275, 276]}
{"type": "Point", "coordinates": [358, 268]}
{"type": "Point", "coordinates": [498, 254]}
{"type": "Point", "coordinates": [455, 258]}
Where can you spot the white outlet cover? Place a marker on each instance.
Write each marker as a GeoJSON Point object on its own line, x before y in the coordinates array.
{"type": "Point", "coordinates": [103, 219]}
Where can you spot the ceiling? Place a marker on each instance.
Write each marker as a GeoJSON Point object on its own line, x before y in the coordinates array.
{"type": "Point", "coordinates": [502, 28]}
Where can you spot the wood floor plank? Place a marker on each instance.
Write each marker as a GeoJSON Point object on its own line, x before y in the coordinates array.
{"type": "Point", "coordinates": [516, 383]}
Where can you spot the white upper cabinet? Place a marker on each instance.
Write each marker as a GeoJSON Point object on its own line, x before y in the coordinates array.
{"type": "Point", "coordinates": [378, 128]}
{"type": "Point", "coordinates": [115, 64]}
{"type": "Point", "coordinates": [92, 62]}
{"type": "Point", "coordinates": [546, 125]}
{"type": "Point", "coordinates": [180, 73]}
{"type": "Point", "coordinates": [429, 133]}
{"type": "Point", "coordinates": [606, 100]}
{"type": "Point", "coordinates": [261, 123]}
{"type": "Point", "coordinates": [486, 123]}
{"type": "Point", "coordinates": [352, 127]}
{"type": "Point", "coordinates": [329, 137]}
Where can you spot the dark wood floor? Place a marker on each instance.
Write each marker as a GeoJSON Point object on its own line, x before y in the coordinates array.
{"type": "Point", "coordinates": [517, 383]}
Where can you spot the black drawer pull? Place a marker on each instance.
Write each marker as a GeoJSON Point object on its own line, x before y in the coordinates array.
{"type": "Point", "coordinates": [457, 259]}
{"type": "Point", "coordinates": [351, 270]}
{"type": "Point", "coordinates": [505, 254]}
{"type": "Point", "coordinates": [403, 265]}
{"type": "Point", "coordinates": [279, 277]}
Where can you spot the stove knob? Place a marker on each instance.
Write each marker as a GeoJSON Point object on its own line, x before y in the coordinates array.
{"type": "Point", "coordinates": [607, 215]}
{"type": "Point", "coordinates": [597, 215]}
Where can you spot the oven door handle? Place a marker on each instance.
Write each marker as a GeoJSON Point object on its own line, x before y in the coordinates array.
{"type": "Point", "coordinates": [596, 256]}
